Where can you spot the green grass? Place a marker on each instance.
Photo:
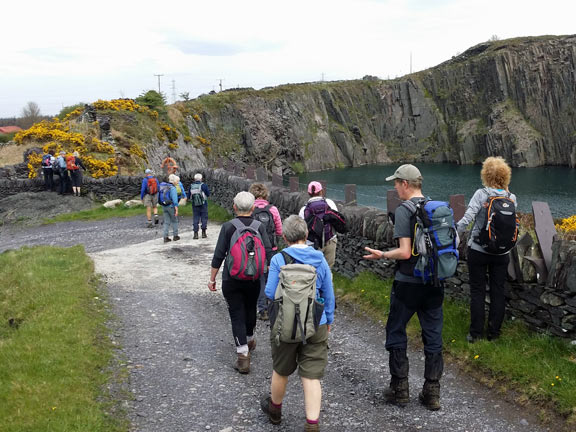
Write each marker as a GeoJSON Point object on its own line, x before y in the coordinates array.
{"type": "Point", "coordinates": [540, 368]}
{"type": "Point", "coordinates": [215, 213]}
{"type": "Point", "coordinates": [54, 349]}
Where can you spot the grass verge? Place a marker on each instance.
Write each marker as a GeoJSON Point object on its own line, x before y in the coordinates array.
{"type": "Point", "coordinates": [54, 345]}
{"type": "Point", "coordinates": [215, 213]}
{"type": "Point", "coordinates": [539, 369]}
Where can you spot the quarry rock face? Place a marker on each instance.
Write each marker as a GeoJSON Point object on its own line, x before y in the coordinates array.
{"type": "Point", "coordinates": [512, 98]}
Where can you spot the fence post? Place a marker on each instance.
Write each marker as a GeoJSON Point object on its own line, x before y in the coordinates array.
{"type": "Point", "coordinates": [250, 172]}
{"type": "Point", "coordinates": [458, 204]}
{"type": "Point", "coordinates": [392, 201]}
{"type": "Point", "coordinates": [294, 184]}
{"type": "Point", "coordinates": [277, 180]}
{"type": "Point", "coordinates": [350, 194]}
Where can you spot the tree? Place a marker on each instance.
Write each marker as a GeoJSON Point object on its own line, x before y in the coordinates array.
{"type": "Point", "coordinates": [30, 114]}
{"type": "Point", "coordinates": [494, 38]}
{"type": "Point", "coordinates": [152, 99]}
{"type": "Point", "coordinates": [185, 96]}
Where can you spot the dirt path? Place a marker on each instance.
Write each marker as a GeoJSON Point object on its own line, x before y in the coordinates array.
{"type": "Point", "coordinates": [177, 340]}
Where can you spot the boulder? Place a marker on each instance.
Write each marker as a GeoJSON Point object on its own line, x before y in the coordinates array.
{"type": "Point", "coordinates": [132, 203]}
{"type": "Point", "coordinates": [113, 203]}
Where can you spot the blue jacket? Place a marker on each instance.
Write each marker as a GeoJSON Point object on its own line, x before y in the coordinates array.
{"type": "Point", "coordinates": [306, 255]}
{"type": "Point", "coordinates": [144, 188]}
{"type": "Point", "coordinates": [204, 189]}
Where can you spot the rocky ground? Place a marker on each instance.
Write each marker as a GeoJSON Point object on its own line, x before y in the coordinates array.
{"type": "Point", "coordinates": [176, 343]}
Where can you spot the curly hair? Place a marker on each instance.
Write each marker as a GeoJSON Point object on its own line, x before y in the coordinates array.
{"type": "Point", "coordinates": [496, 173]}
{"type": "Point", "coordinates": [259, 191]}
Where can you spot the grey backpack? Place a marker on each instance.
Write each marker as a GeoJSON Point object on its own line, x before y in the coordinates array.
{"type": "Point", "coordinates": [295, 312]}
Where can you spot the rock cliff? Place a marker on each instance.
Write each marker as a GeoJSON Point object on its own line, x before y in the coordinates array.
{"type": "Point", "coordinates": [514, 98]}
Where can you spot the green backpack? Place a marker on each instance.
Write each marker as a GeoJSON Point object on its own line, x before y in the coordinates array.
{"type": "Point", "coordinates": [295, 312]}
{"type": "Point", "coordinates": [196, 195]}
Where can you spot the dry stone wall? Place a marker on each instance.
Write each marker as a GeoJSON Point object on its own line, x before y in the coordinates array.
{"type": "Point", "coordinates": [550, 307]}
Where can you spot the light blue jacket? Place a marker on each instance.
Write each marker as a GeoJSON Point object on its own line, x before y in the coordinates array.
{"type": "Point", "coordinates": [306, 255]}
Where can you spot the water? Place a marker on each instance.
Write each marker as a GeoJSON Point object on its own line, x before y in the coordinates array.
{"type": "Point", "coordinates": [554, 185]}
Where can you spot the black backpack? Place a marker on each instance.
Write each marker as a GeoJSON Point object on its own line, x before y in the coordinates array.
{"type": "Point", "coordinates": [499, 232]}
{"type": "Point", "coordinates": [264, 216]}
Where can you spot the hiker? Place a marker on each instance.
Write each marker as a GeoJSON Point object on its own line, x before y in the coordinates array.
{"type": "Point", "coordinates": [309, 357]}
{"type": "Point", "coordinates": [149, 196]}
{"type": "Point", "coordinates": [48, 161]}
{"type": "Point", "coordinates": [63, 173]}
{"type": "Point", "coordinates": [269, 216]}
{"type": "Point", "coordinates": [411, 295]}
{"type": "Point", "coordinates": [169, 166]}
{"type": "Point", "coordinates": [198, 193]}
{"type": "Point", "coordinates": [73, 164]}
{"type": "Point", "coordinates": [317, 205]}
{"type": "Point", "coordinates": [168, 199]}
{"type": "Point", "coordinates": [495, 175]}
{"type": "Point", "coordinates": [239, 289]}
{"type": "Point", "coordinates": [180, 192]}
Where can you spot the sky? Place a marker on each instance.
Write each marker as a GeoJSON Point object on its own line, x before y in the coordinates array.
{"type": "Point", "coordinates": [64, 52]}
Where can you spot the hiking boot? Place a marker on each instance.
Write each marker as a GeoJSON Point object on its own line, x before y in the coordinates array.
{"type": "Point", "coordinates": [472, 339]}
{"type": "Point", "coordinates": [204, 234]}
{"type": "Point", "coordinates": [398, 393]}
{"type": "Point", "coordinates": [430, 395]}
{"type": "Point", "coordinates": [252, 345]}
{"type": "Point", "coordinates": [156, 220]}
{"type": "Point", "coordinates": [263, 315]}
{"type": "Point", "coordinates": [308, 427]}
{"type": "Point", "coordinates": [242, 363]}
{"type": "Point", "coordinates": [195, 235]}
{"type": "Point", "coordinates": [176, 238]}
{"type": "Point", "coordinates": [274, 413]}
{"type": "Point", "coordinates": [150, 225]}
{"type": "Point", "coordinates": [167, 239]}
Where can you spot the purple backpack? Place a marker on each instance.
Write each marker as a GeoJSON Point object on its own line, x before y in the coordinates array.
{"type": "Point", "coordinates": [318, 232]}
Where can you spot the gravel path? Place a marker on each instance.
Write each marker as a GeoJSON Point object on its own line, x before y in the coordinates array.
{"type": "Point", "coordinates": [176, 338]}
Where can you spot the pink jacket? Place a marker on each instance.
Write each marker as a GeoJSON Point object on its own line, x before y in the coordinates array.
{"type": "Point", "coordinates": [260, 203]}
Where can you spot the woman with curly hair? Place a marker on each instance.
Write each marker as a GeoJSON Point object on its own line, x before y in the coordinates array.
{"type": "Point", "coordinates": [495, 175]}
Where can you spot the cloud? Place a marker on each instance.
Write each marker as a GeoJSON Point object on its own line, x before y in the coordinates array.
{"type": "Point", "coordinates": [219, 49]}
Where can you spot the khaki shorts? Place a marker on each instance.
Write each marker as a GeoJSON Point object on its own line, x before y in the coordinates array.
{"type": "Point", "coordinates": [310, 359]}
{"type": "Point", "coordinates": [150, 200]}
{"type": "Point", "coordinates": [329, 251]}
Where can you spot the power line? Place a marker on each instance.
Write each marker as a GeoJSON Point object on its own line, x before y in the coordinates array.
{"type": "Point", "coordinates": [159, 75]}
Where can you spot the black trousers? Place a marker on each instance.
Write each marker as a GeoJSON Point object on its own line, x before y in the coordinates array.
{"type": "Point", "coordinates": [492, 269]}
{"type": "Point", "coordinates": [48, 178]}
{"type": "Point", "coordinates": [241, 297]}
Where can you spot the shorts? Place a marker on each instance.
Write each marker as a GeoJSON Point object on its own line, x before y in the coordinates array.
{"type": "Point", "coordinates": [310, 359]}
{"type": "Point", "coordinates": [150, 200]}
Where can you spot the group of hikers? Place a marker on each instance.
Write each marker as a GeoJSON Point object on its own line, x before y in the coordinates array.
{"type": "Point", "coordinates": [170, 195]}
{"type": "Point", "coordinates": [67, 166]}
{"type": "Point", "coordinates": [293, 287]}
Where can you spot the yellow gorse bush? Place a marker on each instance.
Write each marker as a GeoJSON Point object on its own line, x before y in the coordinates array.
{"type": "Point", "coordinates": [567, 225]}
{"type": "Point", "coordinates": [124, 105]}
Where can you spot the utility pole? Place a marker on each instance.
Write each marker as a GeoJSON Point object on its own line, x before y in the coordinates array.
{"type": "Point", "coordinates": [173, 91]}
{"type": "Point", "coordinates": [410, 61]}
{"type": "Point", "coordinates": [221, 79]}
{"type": "Point", "coordinates": [322, 76]}
{"type": "Point", "coordinates": [159, 75]}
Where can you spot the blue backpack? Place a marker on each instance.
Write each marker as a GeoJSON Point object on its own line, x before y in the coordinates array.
{"type": "Point", "coordinates": [164, 197]}
{"type": "Point", "coordinates": [434, 240]}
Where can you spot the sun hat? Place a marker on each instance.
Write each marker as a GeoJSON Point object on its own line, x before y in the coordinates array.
{"type": "Point", "coordinates": [314, 187]}
{"type": "Point", "coordinates": [406, 172]}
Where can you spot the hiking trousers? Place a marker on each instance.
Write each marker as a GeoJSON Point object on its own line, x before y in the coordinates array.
{"type": "Point", "coordinates": [241, 297]}
{"type": "Point", "coordinates": [200, 214]}
{"type": "Point", "coordinates": [496, 266]}
{"type": "Point", "coordinates": [170, 220]}
{"type": "Point", "coordinates": [48, 178]}
{"type": "Point", "coordinates": [407, 299]}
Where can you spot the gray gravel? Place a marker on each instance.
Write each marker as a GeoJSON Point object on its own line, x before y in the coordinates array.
{"type": "Point", "coordinates": [176, 338]}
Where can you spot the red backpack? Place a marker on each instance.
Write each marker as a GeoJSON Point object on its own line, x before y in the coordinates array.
{"type": "Point", "coordinates": [246, 257]}
{"type": "Point", "coordinates": [152, 185]}
{"type": "Point", "coordinates": [71, 163]}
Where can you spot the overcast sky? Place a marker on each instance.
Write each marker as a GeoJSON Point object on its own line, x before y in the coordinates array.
{"type": "Point", "coordinates": [63, 52]}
